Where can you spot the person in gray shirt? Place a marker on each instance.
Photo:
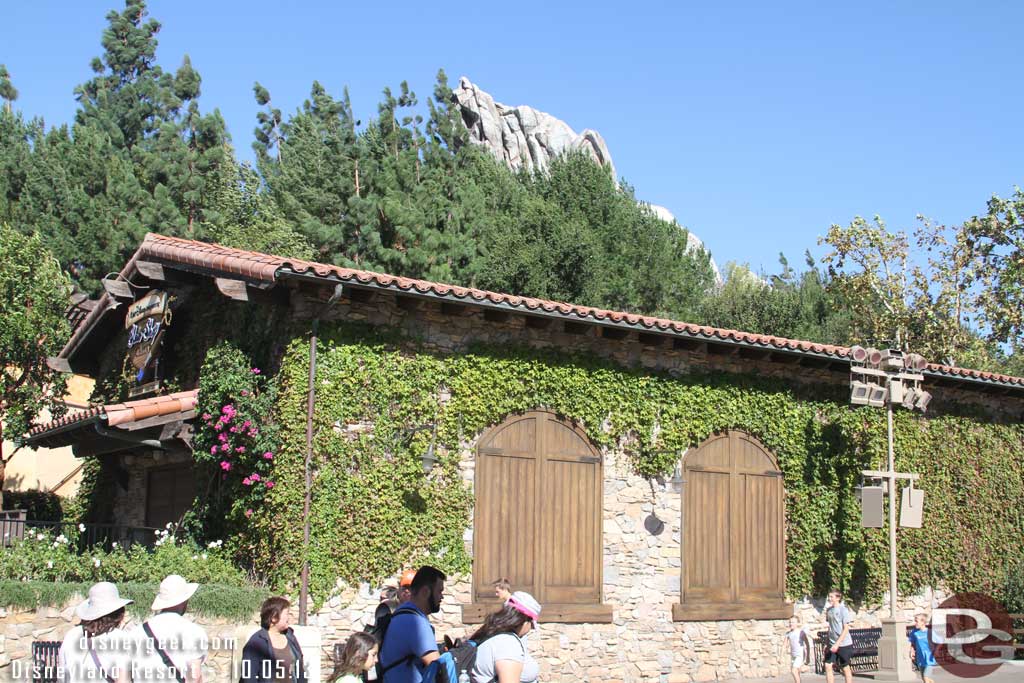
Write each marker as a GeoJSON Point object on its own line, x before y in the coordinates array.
{"type": "Point", "coordinates": [840, 642]}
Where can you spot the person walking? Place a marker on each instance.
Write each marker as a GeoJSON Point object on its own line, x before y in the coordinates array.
{"type": "Point", "coordinates": [97, 650]}
{"type": "Point", "coordinates": [501, 653]}
{"type": "Point", "coordinates": [272, 654]}
{"type": "Point", "coordinates": [170, 647]}
{"type": "Point", "coordinates": [799, 646]}
{"type": "Point", "coordinates": [921, 651]}
{"type": "Point", "coordinates": [840, 641]}
{"type": "Point", "coordinates": [409, 645]}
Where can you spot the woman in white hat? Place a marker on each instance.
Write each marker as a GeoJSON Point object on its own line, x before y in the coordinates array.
{"type": "Point", "coordinates": [96, 650]}
{"type": "Point", "coordinates": [501, 653]}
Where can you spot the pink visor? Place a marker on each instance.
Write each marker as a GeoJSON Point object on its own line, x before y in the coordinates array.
{"type": "Point", "coordinates": [521, 608]}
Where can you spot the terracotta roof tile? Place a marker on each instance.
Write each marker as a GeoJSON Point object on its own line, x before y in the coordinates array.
{"type": "Point", "coordinates": [125, 413]}
{"type": "Point", "coordinates": [268, 269]}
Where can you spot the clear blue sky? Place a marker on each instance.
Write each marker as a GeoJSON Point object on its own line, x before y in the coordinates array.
{"type": "Point", "coordinates": [758, 124]}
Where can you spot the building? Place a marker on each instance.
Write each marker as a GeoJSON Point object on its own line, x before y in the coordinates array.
{"type": "Point", "coordinates": [642, 577]}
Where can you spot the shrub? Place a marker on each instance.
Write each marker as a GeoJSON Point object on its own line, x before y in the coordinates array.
{"type": "Point", "coordinates": [40, 505]}
{"type": "Point", "coordinates": [46, 556]}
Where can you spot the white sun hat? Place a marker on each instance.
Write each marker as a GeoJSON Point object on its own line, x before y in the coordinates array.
{"type": "Point", "coordinates": [103, 600]}
{"type": "Point", "coordinates": [174, 590]}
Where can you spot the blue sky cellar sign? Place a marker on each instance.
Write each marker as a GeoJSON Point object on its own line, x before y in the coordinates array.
{"type": "Point", "coordinates": [146, 322]}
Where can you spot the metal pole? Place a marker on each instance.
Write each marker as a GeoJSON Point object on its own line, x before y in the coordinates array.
{"type": "Point", "coordinates": [310, 402]}
{"type": "Point", "coordinates": [892, 519]}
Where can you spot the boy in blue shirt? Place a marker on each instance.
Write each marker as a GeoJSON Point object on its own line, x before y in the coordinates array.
{"type": "Point", "coordinates": [922, 651]}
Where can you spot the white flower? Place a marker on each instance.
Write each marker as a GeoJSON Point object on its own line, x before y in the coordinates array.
{"type": "Point", "coordinates": [81, 527]}
{"type": "Point", "coordinates": [167, 526]}
{"type": "Point", "coordinates": [50, 564]}
{"type": "Point", "coordinates": [156, 532]}
{"type": "Point", "coordinates": [195, 557]}
{"type": "Point", "coordinates": [56, 544]}
{"type": "Point", "coordinates": [96, 562]}
{"type": "Point", "coordinates": [114, 544]}
{"type": "Point", "coordinates": [63, 539]}
{"type": "Point", "coordinates": [204, 556]}
{"type": "Point", "coordinates": [215, 544]}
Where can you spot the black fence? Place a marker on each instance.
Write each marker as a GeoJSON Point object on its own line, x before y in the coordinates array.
{"type": "Point", "coordinates": [89, 535]}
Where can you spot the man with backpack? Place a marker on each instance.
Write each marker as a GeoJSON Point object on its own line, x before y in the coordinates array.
{"type": "Point", "coordinates": [409, 646]}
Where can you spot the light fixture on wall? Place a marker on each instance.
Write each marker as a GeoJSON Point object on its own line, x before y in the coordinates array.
{"type": "Point", "coordinates": [677, 481]}
{"type": "Point", "coordinates": [429, 457]}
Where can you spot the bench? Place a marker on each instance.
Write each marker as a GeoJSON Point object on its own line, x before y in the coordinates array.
{"type": "Point", "coordinates": [865, 650]}
{"type": "Point", "coordinates": [44, 661]}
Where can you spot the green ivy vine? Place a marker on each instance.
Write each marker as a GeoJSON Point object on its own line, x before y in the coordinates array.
{"type": "Point", "coordinates": [373, 511]}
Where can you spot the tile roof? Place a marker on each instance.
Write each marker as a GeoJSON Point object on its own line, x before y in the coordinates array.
{"type": "Point", "coordinates": [267, 269]}
{"type": "Point", "coordinates": [122, 413]}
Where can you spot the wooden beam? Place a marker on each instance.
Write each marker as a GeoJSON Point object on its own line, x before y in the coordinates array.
{"type": "Point", "coordinates": [233, 289]}
{"type": "Point", "coordinates": [118, 289]}
{"type": "Point", "coordinates": [151, 270]}
{"type": "Point", "coordinates": [537, 323]}
{"type": "Point", "coordinates": [59, 364]}
{"type": "Point", "coordinates": [475, 613]}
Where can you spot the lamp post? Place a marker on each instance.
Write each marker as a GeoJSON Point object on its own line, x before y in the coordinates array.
{"type": "Point", "coordinates": [885, 378]}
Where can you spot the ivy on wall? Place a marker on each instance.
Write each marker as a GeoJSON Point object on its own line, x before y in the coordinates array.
{"type": "Point", "coordinates": [374, 511]}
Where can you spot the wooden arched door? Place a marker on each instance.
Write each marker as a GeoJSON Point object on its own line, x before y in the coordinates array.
{"type": "Point", "coordinates": [538, 517]}
{"type": "Point", "coordinates": [733, 532]}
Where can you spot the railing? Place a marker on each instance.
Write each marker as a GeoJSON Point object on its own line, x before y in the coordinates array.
{"type": "Point", "coordinates": [90, 535]}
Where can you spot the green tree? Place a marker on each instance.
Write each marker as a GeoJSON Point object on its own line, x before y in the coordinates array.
{"type": "Point", "coordinates": [34, 294]}
{"type": "Point", "coordinates": [8, 93]}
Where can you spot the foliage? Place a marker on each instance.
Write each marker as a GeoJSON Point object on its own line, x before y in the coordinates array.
{"type": "Point", "coordinates": [788, 304]}
{"type": "Point", "coordinates": [373, 510]}
{"type": "Point", "coordinates": [1012, 594]}
{"type": "Point", "coordinates": [931, 307]}
{"type": "Point", "coordinates": [56, 556]}
{"type": "Point", "coordinates": [998, 237]}
{"type": "Point", "coordinates": [234, 445]}
{"type": "Point", "coordinates": [39, 505]}
{"type": "Point", "coordinates": [34, 292]}
{"type": "Point", "coordinates": [236, 603]}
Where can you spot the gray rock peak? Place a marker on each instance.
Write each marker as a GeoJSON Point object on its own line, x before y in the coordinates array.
{"type": "Point", "coordinates": [522, 136]}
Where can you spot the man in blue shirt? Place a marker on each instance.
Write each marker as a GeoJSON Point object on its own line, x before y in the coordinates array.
{"type": "Point", "coordinates": [409, 644]}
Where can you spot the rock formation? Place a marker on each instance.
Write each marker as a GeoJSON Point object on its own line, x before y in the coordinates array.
{"type": "Point", "coordinates": [521, 136]}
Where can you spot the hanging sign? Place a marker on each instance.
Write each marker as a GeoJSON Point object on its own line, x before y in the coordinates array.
{"type": "Point", "coordinates": [146, 322]}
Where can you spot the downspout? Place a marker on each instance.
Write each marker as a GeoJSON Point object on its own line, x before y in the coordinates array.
{"type": "Point", "coordinates": [310, 402]}
{"type": "Point", "coordinates": [116, 435]}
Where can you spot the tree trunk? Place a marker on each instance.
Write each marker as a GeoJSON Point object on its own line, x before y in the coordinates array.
{"type": "Point", "coordinates": [3, 466]}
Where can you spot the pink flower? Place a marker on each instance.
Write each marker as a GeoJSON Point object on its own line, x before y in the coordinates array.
{"type": "Point", "coordinates": [246, 424]}
{"type": "Point", "coordinates": [228, 409]}
{"type": "Point", "coordinates": [213, 450]}
{"type": "Point", "coordinates": [269, 484]}
{"type": "Point", "coordinates": [268, 456]}
{"type": "Point", "coordinates": [225, 465]}
{"type": "Point", "coordinates": [255, 476]}
{"type": "Point", "coordinates": [247, 481]}
{"type": "Point", "coordinates": [207, 417]}
{"type": "Point", "coordinates": [248, 513]}
{"type": "Point", "coordinates": [245, 392]}
{"type": "Point", "coordinates": [225, 447]}
{"type": "Point", "coordinates": [222, 437]}
{"type": "Point", "coordinates": [234, 430]}
{"type": "Point", "coordinates": [240, 449]}
{"type": "Point", "coordinates": [219, 426]}
{"type": "Point", "coordinates": [255, 371]}
{"type": "Point", "coordinates": [253, 431]}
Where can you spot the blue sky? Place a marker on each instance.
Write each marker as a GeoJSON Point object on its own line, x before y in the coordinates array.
{"type": "Point", "coordinates": [757, 124]}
